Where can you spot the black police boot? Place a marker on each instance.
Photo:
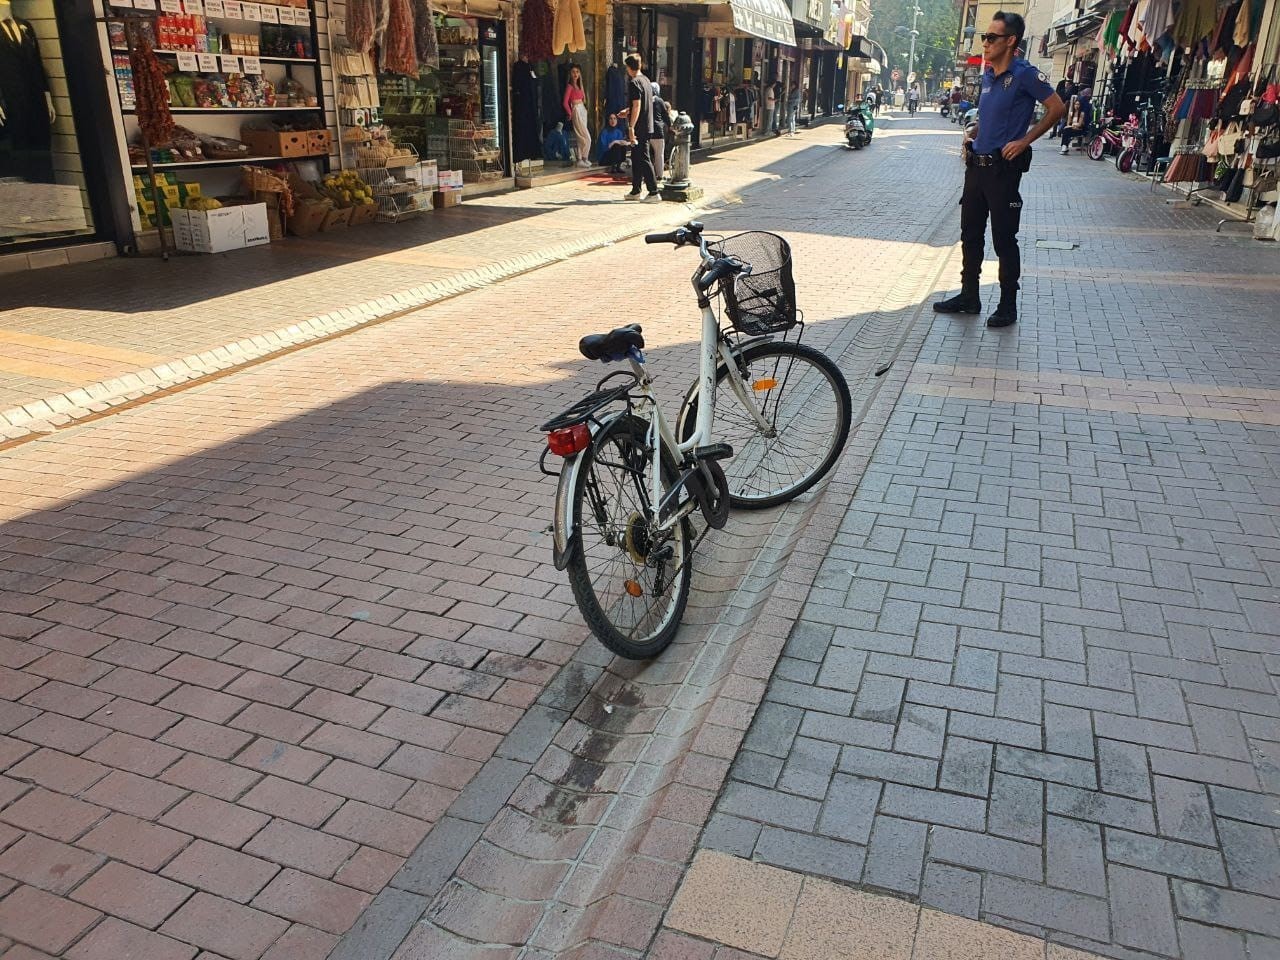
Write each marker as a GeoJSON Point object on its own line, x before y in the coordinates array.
{"type": "Point", "coordinates": [1006, 314]}
{"type": "Point", "coordinates": [966, 301]}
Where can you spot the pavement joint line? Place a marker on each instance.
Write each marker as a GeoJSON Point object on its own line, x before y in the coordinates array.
{"type": "Point", "coordinates": [33, 420]}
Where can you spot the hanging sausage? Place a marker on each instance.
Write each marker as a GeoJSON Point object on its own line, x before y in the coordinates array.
{"type": "Point", "coordinates": [424, 33]}
{"type": "Point", "coordinates": [151, 91]}
{"type": "Point", "coordinates": [399, 52]}
{"type": "Point", "coordinates": [360, 24]}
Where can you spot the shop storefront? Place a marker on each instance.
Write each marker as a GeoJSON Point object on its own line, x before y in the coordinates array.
{"type": "Point", "coordinates": [55, 188]}
{"type": "Point", "coordinates": [665, 37]}
{"type": "Point", "coordinates": [553, 126]}
{"type": "Point", "coordinates": [454, 108]}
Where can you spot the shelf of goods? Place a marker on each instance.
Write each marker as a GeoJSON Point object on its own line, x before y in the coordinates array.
{"type": "Point", "coordinates": [234, 62]}
{"type": "Point", "coordinates": [395, 180]}
{"type": "Point", "coordinates": [473, 149]}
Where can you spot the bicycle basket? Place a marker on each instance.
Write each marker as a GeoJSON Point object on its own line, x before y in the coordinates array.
{"type": "Point", "coordinates": [765, 301]}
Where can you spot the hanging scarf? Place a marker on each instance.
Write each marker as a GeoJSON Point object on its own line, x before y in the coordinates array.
{"type": "Point", "coordinates": [567, 31]}
{"type": "Point", "coordinates": [1244, 18]}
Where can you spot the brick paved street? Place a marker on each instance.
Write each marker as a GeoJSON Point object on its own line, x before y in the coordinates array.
{"type": "Point", "coordinates": [1035, 682]}
{"type": "Point", "coordinates": [285, 670]}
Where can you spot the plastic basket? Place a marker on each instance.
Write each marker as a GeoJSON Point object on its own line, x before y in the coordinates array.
{"type": "Point", "coordinates": [764, 301]}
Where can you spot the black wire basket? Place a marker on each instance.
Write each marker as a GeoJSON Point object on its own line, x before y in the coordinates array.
{"type": "Point", "coordinates": [765, 301]}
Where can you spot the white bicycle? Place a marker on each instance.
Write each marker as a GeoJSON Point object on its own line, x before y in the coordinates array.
{"type": "Point", "coordinates": [630, 482]}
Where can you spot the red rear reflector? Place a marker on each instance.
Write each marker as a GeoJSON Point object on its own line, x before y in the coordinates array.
{"type": "Point", "coordinates": [569, 440]}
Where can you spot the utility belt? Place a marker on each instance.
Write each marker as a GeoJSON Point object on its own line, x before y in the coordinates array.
{"type": "Point", "coordinates": [996, 161]}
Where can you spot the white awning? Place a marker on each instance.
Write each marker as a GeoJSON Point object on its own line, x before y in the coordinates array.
{"type": "Point", "coordinates": [767, 19]}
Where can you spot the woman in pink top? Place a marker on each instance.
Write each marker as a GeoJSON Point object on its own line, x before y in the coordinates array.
{"type": "Point", "coordinates": [575, 106]}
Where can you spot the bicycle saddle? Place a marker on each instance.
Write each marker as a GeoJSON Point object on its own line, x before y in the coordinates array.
{"type": "Point", "coordinates": [614, 345]}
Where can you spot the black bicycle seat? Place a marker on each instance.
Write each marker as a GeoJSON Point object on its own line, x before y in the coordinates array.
{"type": "Point", "coordinates": [614, 345]}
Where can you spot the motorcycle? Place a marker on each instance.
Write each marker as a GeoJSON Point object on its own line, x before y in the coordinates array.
{"type": "Point", "coordinates": [858, 125]}
{"type": "Point", "coordinates": [944, 108]}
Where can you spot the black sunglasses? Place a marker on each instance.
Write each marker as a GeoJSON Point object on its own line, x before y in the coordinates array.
{"type": "Point", "coordinates": [993, 37]}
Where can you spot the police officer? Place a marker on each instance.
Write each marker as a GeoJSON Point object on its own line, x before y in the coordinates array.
{"type": "Point", "coordinates": [995, 160]}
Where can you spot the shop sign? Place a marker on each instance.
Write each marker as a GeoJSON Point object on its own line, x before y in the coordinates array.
{"type": "Point", "coordinates": [270, 14]}
{"type": "Point", "coordinates": [490, 32]}
{"type": "Point", "coordinates": [188, 63]}
{"type": "Point", "coordinates": [719, 30]}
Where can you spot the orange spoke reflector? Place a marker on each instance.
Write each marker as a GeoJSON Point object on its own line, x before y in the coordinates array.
{"type": "Point", "coordinates": [633, 588]}
{"type": "Point", "coordinates": [765, 383]}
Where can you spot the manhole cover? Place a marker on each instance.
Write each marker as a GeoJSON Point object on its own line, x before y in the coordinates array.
{"type": "Point", "coordinates": [1057, 244]}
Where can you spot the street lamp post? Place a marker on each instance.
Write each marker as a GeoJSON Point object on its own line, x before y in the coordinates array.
{"type": "Point", "coordinates": [911, 57]}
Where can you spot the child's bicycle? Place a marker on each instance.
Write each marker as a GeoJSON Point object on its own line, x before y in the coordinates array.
{"type": "Point", "coordinates": [631, 479]}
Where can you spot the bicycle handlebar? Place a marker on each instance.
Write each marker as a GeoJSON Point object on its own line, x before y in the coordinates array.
{"type": "Point", "coordinates": [713, 268]}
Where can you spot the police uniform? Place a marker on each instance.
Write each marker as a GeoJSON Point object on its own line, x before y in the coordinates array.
{"type": "Point", "coordinates": [991, 183]}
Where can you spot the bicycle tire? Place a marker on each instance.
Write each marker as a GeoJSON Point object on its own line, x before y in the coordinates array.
{"type": "Point", "coordinates": [738, 468]}
{"type": "Point", "coordinates": [1124, 160]}
{"type": "Point", "coordinates": [1097, 148]}
{"type": "Point", "coordinates": [625, 439]}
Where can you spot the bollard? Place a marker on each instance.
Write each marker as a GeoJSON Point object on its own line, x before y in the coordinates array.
{"type": "Point", "coordinates": [677, 186]}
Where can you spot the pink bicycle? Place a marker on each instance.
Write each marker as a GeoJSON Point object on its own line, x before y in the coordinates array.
{"type": "Point", "coordinates": [1106, 140]}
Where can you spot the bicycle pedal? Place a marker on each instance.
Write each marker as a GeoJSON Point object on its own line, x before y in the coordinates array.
{"type": "Point", "coordinates": [713, 451]}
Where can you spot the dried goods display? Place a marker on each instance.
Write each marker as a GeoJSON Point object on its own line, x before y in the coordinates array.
{"type": "Point", "coordinates": [360, 24]}
{"type": "Point", "coordinates": [399, 51]}
{"type": "Point", "coordinates": [151, 93]}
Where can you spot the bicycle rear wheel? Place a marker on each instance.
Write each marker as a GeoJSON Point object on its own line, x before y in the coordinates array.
{"type": "Point", "coordinates": [631, 582]}
{"type": "Point", "coordinates": [803, 395]}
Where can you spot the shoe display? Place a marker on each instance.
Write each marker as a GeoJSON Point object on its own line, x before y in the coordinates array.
{"type": "Point", "coordinates": [961, 303]}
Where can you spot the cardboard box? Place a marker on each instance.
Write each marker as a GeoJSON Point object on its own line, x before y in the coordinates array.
{"type": "Point", "coordinates": [339, 217]}
{"type": "Point", "coordinates": [429, 174]}
{"type": "Point", "coordinates": [446, 198]}
{"type": "Point", "coordinates": [216, 231]}
{"type": "Point", "coordinates": [450, 179]}
{"type": "Point", "coordinates": [272, 143]}
{"type": "Point", "coordinates": [309, 217]}
{"type": "Point", "coordinates": [318, 142]}
{"type": "Point", "coordinates": [363, 213]}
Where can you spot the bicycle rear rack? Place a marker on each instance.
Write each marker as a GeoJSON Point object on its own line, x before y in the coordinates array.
{"type": "Point", "coordinates": [585, 410]}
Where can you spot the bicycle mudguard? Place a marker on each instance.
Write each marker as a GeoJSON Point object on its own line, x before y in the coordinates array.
{"type": "Point", "coordinates": [562, 540]}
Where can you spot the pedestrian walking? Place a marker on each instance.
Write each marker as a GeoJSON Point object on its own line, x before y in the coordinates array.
{"type": "Point", "coordinates": [995, 160]}
{"type": "Point", "coordinates": [640, 97]}
{"type": "Point", "coordinates": [575, 107]}
{"type": "Point", "coordinates": [658, 141]}
{"type": "Point", "coordinates": [793, 108]}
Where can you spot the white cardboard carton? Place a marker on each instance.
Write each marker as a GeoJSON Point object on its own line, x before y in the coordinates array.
{"type": "Point", "coordinates": [216, 231]}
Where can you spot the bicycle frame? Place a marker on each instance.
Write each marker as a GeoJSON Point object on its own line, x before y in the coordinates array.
{"type": "Point", "coordinates": [713, 351]}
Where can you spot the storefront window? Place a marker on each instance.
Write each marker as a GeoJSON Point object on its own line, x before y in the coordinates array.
{"type": "Point", "coordinates": [42, 187]}
{"type": "Point", "coordinates": [664, 56]}
{"type": "Point", "coordinates": [453, 113]}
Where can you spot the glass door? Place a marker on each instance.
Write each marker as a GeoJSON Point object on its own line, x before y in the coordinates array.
{"type": "Point", "coordinates": [492, 86]}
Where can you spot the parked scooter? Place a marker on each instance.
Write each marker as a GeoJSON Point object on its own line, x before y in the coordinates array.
{"type": "Point", "coordinates": [858, 125]}
{"type": "Point", "coordinates": [944, 107]}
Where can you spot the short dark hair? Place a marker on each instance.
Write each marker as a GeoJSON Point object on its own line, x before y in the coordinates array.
{"type": "Point", "coordinates": [632, 60]}
{"type": "Point", "coordinates": [1013, 23]}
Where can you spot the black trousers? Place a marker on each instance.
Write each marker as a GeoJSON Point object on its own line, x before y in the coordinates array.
{"type": "Point", "coordinates": [991, 192]}
{"type": "Point", "coordinates": [642, 167]}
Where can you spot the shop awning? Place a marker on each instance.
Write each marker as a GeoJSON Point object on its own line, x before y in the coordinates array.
{"type": "Point", "coordinates": [767, 19]}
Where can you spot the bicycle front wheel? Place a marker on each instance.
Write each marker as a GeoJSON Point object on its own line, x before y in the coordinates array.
{"type": "Point", "coordinates": [803, 397]}
{"type": "Point", "coordinates": [631, 581]}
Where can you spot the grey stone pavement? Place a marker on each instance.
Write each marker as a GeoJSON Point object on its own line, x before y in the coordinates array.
{"type": "Point", "coordinates": [1036, 680]}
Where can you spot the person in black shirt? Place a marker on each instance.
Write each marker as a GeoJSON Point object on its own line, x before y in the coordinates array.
{"type": "Point", "coordinates": [640, 96]}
